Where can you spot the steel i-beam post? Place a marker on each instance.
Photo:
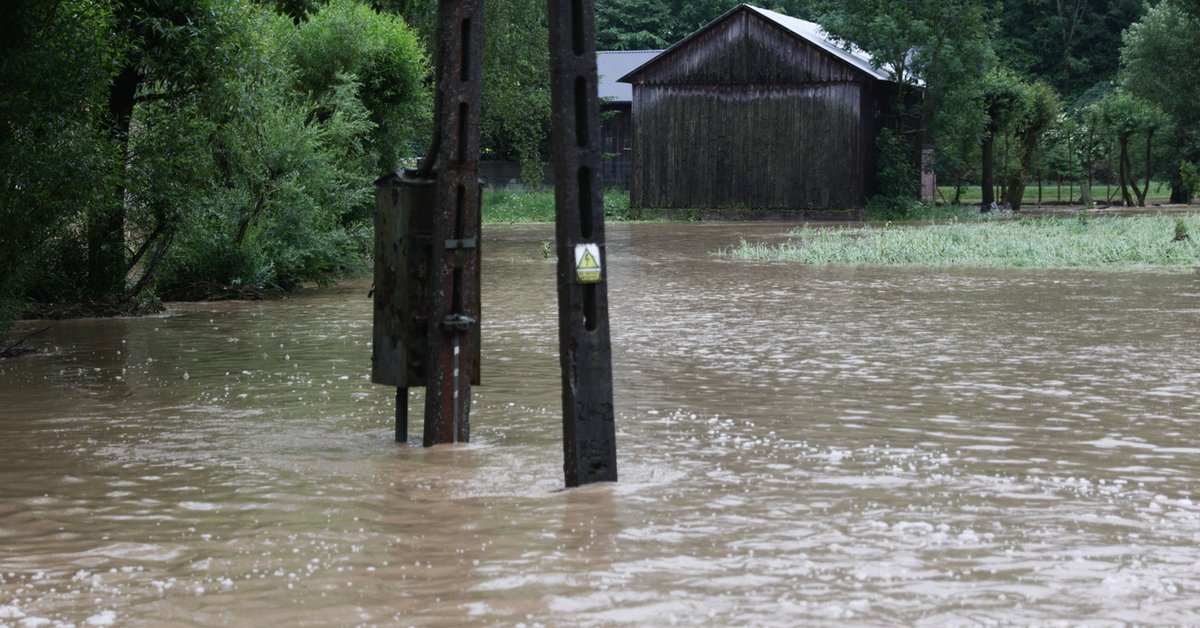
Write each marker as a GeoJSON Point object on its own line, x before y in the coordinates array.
{"type": "Point", "coordinates": [454, 267]}
{"type": "Point", "coordinates": [589, 433]}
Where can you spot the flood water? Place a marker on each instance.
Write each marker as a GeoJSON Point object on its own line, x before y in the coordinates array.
{"type": "Point", "coordinates": [796, 445]}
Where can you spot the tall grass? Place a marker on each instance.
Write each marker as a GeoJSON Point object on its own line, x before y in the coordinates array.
{"type": "Point", "coordinates": [1117, 243]}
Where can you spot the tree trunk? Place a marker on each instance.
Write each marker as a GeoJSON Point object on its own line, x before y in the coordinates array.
{"type": "Point", "coordinates": [1123, 171]}
{"type": "Point", "coordinates": [244, 227]}
{"type": "Point", "coordinates": [1015, 194]}
{"type": "Point", "coordinates": [1180, 195]}
{"type": "Point", "coordinates": [1014, 191]}
{"type": "Point", "coordinates": [1087, 198]}
{"type": "Point", "coordinates": [106, 225]}
{"type": "Point", "coordinates": [1149, 168]}
{"type": "Point", "coordinates": [986, 185]}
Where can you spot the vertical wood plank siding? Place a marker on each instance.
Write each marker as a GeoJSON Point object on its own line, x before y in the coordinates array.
{"type": "Point", "coordinates": [748, 115]}
{"type": "Point", "coordinates": [616, 144]}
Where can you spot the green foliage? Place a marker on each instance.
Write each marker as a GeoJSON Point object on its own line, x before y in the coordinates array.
{"type": "Point", "coordinates": [644, 24]}
{"type": "Point", "coordinates": [1189, 175]}
{"type": "Point", "coordinates": [632, 25]}
{"type": "Point", "coordinates": [1001, 93]}
{"type": "Point", "coordinates": [942, 43]}
{"type": "Point", "coordinates": [1181, 231]}
{"type": "Point", "coordinates": [197, 145]}
{"type": "Point", "coordinates": [1037, 111]}
{"type": "Point", "coordinates": [515, 122]}
{"type": "Point", "coordinates": [1125, 114]}
{"type": "Point", "coordinates": [1158, 62]}
{"type": "Point", "coordinates": [896, 179]}
{"type": "Point", "coordinates": [1069, 44]}
{"type": "Point", "coordinates": [937, 51]}
{"type": "Point", "coordinates": [1158, 65]}
{"type": "Point", "coordinates": [292, 176]}
{"type": "Point", "coordinates": [507, 207]}
{"type": "Point", "coordinates": [350, 41]}
{"type": "Point", "coordinates": [1127, 117]}
{"type": "Point", "coordinates": [55, 157]}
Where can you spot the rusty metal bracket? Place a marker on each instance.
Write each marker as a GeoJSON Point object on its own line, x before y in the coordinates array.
{"type": "Point", "coordinates": [458, 323]}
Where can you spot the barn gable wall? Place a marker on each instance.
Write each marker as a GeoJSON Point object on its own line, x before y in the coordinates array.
{"type": "Point", "coordinates": [746, 114]}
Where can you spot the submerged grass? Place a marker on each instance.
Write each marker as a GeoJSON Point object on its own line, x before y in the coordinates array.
{"type": "Point", "coordinates": [507, 207]}
{"type": "Point", "coordinates": [1117, 243]}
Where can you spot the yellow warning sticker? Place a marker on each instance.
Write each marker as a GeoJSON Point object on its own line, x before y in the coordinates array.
{"type": "Point", "coordinates": [587, 263]}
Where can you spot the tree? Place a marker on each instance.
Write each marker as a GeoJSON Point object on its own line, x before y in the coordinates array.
{"type": "Point", "coordinates": [1038, 109]}
{"type": "Point", "coordinates": [168, 51]}
{"type": "Point", "coordinates": [55, 64]}
{"type": "Point", "coordinates": [690, 15]}
{"type": "Point", "coordinates": [633, 25]}
{"type": "Point", "coordinates": [1069, 14]}
{"type": "Point", "coordinates": [148, 144]}
{"type": "Point", "coordinates": [1158, 66]}
{"type": "Point", "coordinates": [1000, 94]}
{"type": "Point", "coordinates": [1068, 43]}
{"type": "Point", "coordinates": [515, 121]}
{"type": "Point", "coordinates": [936, 52]}
{"type": "Point", "coordinates": [349, 39]}
{"type": "Point", "coordinates": [292, 151]}
{"type": "Point", "coordinates": [1127, 117]}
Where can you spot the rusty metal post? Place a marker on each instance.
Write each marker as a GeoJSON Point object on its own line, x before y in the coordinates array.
{"type": "Point", "coordinates": [589, 432]}
{"type": "Point", "coordinates": [454, 266]}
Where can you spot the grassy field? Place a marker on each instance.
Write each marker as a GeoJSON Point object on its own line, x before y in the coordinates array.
{"type": "Point", "coordinates": [506, 207]}
{"type": "Point", "coordinates": [1160, 192]}
{"type": "Point", "coordinates": [1116, 243]}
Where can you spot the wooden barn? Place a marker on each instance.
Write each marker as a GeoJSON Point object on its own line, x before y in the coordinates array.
{"type": "Point", "coordinates": [757, 110]}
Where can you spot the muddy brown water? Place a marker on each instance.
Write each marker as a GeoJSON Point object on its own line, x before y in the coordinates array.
{"type": "Point", "coordinates": [796, 445]}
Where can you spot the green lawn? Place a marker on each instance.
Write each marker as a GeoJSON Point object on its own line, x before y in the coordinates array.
{"type": "Point", "coordinates": [506, 207]}
{"type": "Point", "coordinates": [1115, 243]}
{"type": "Point", "coordinates": [1160, 192]}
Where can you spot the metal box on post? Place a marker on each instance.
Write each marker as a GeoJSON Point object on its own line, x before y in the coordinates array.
{"type": "Point", "coordinates": [403, 237]}
{"type": "Point", "coordinates": [404, 212]}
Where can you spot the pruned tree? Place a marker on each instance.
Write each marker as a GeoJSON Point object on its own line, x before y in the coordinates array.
{"type": "Point", "coordinates": [1001, 100]}
{"type": "Point", "coordinates": [1036, 113]}
{"type": "Point", "coordinates": [1127, 118]}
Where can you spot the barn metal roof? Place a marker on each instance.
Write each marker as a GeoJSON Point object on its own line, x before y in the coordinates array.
{"type": "Point", "coordinates": [814, 34]}
{"type": "Point", "coordinates": [612, 65]}
{"type": "Point", "coordinates": [809, 31]}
